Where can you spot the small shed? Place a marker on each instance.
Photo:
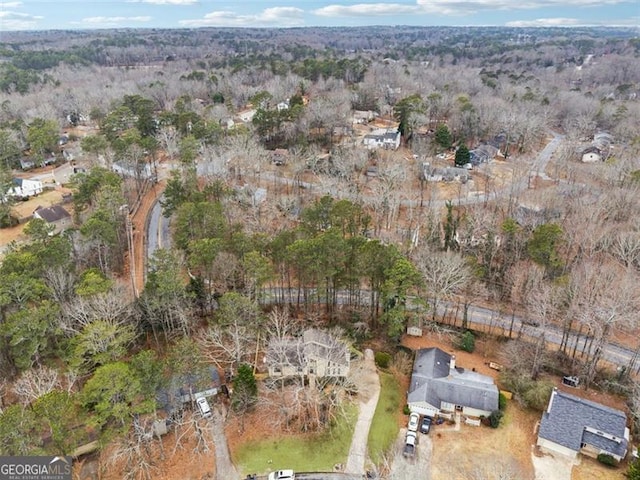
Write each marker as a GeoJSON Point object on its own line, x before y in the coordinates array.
{"type": "Point", "coordinates": [591, 154]}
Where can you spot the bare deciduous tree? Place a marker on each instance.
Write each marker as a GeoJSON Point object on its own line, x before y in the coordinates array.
{"type": "Point", "coordinates": [605, 294]}
{"type": "Point", "coordinates": [445, 274]}
{"type": "Point", "coordinates": [34, 383]}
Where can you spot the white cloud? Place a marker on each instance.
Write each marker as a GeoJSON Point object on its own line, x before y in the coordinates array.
{"type": "Point", "coordinates": [366, 9]}
{"type": "Point", "coordinates": [18, 21]}
{"type": "Point", "coordinates": [451, 7]}
{"type": "Point", "coordinates": [166, 2]}
{"type": "Point", "coordinates": [276, 16]}
{"type": "Point", "coordinates": [111, 21]}
{"type": "Point", "coordinates": [10, 4]}
{"type": "Point", "coordinates": [545, 22]}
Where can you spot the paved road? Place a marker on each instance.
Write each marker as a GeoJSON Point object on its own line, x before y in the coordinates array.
{"type": "Point", "coordinates": [158, 230]}
{"type": "Point", "coordinates": [613, 353]}
{"type": "Point", "coordinates": [60, 175]}
{"type": "Point", "coordinates": [616, 354]}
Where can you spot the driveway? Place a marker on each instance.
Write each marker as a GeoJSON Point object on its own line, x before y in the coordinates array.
{"type": "Point", "coordinates": [548, 467]}
{"type": "Point", "coordinates": [417, 467]}
{"type": "Point", "coordinates": [368, 381]}
{"type": "Point", "coordinates": [224, 468]}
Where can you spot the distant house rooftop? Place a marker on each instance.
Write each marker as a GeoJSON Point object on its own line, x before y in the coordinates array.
{"type": "Point", "coordinates": [575, 423]}
{"type": "Point", "coordinates": [52, 214]}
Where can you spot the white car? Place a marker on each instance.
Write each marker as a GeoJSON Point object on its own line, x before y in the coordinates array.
{"type": "Point", "coordinates": [204, 407]}
{"type": "Point", "coordinates": [282, 475]}
{"type": "Point", "coordinates": [414, 420]}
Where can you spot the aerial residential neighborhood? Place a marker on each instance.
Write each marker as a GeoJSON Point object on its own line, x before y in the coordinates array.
{"type": "Point", "coordinates": [250, 246]}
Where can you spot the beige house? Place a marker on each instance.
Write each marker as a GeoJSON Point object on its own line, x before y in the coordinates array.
{"type": "Point", "coordinates": [315, 353]}
{"type": "Point", "coordinates": [56, 216]}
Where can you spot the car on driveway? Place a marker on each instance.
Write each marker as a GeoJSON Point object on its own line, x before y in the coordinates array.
{"type": "Point", "coordinates": [282, 475]}
{"type": "Point", "coordinates": [204, 407]}
{"type": "Point", "coordinates": [425, 426]}
{"type": "Point", "coordinates": [410, 444]}
{"type": "Point", "coordinates": [414, 419]}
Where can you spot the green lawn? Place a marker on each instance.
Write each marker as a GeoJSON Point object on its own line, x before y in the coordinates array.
{"type": "Point", "coordinates": [384, 427]}
{"type": "Point", "coordinates": [317, 453]}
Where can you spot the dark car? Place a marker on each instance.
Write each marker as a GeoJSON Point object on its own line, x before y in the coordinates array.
{"type": "Point", "coordinates": [425, 426]}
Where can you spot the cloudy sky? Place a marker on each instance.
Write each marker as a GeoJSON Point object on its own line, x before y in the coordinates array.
{"type": "Point", "coordinates": [89, 14]}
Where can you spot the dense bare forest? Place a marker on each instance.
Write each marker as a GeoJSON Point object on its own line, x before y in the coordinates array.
{"type": "Point", "coordinates": [257, 138]}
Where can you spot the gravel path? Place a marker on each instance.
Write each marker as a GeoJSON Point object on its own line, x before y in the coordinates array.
{"type": "Point", "coordinates": [369, 389]}
{"type": "Point", "coordinates": [225, 470]}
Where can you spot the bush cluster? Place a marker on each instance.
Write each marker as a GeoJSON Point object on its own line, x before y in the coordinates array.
{"type": "Point", "coordinates": [468, 342]}
{"type": "Point", "coordinates": [382, 359]}
{"type": "Point", "coordinates": [529, 393]}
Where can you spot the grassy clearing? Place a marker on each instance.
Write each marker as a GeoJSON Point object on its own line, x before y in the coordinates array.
{"type": "Point", "coordinates": [384, 427]}
{"type": "Point", "coordinates": [307, 453]}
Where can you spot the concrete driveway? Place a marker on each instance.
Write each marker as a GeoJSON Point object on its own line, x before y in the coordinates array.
{"type": "Point", "coordinates": [549, 467]}
{"type": "Point", "coordinates": [417, 467]}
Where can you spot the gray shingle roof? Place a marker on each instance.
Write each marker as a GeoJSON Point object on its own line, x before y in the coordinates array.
{"type": "Point", "coordinates": [564, 423]}
{"type": "Point", "coordinates": [313, 344]}
{"type": "Point", "coordinates": [433, 381]}
{"type": "Point", "coordinates": [52, 214]}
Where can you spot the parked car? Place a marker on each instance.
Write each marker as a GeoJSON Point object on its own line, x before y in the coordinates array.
{"type": "Point", "coordinates": [282, 475]}
{"type": "Point", "coordinates": [410, 444]}
{"type": "Point", "coordinates": [414, 420]}
{"type": "Point", "coordinates": [425, 426]}
{"type": "Point", "coordinates": [204, 407]}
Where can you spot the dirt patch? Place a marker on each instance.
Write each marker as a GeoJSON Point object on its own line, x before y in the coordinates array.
{"type": "Point", "coordinates": [24, 210]}
{"type": "Point", "coordinates": [590, 469]}
{"type": "Point", "coordinates": [185, 462]}
{"type": "Point", "coordinates": [550, 467]}
{"type": "Point", "coordinates": [45, 199]}
{"type": "Point", "coordinates": [486, 351]}
{"type": "Point", "coordinates": [458, 454]}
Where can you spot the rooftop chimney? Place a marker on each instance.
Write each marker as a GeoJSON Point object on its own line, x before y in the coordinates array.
{"type": "Point", "coordinates": [452, 364]}
{"type": "Point", "coordinates": [553, 394]}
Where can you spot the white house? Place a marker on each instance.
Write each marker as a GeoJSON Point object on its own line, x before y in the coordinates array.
{"type": "Point", "coordinates": [383, 138]}
{"type": "Point", "coordinates": [438, 386]}
{"type": "Point", "coordinates": [25, 188]}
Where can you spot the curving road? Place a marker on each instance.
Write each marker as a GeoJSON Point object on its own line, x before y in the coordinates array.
{"type": "Point", "coordinates": [158, 236]}
{"type": "Point", "coordinates": [158, 230]}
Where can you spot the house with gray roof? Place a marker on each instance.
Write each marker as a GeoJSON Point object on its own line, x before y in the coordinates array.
{"type": "Point", "coordinates": [316, 353]}
{"type": "Point", "coordinates": [56, 216]}
{"type": "Point", "coordinates": [383, 138]}
{"type": "Point", "coordinates": [482, 154]}
{"type": "Point", "coordinates": [572, 425]}
{"type": "Point", "coordinates": [438, 386]}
